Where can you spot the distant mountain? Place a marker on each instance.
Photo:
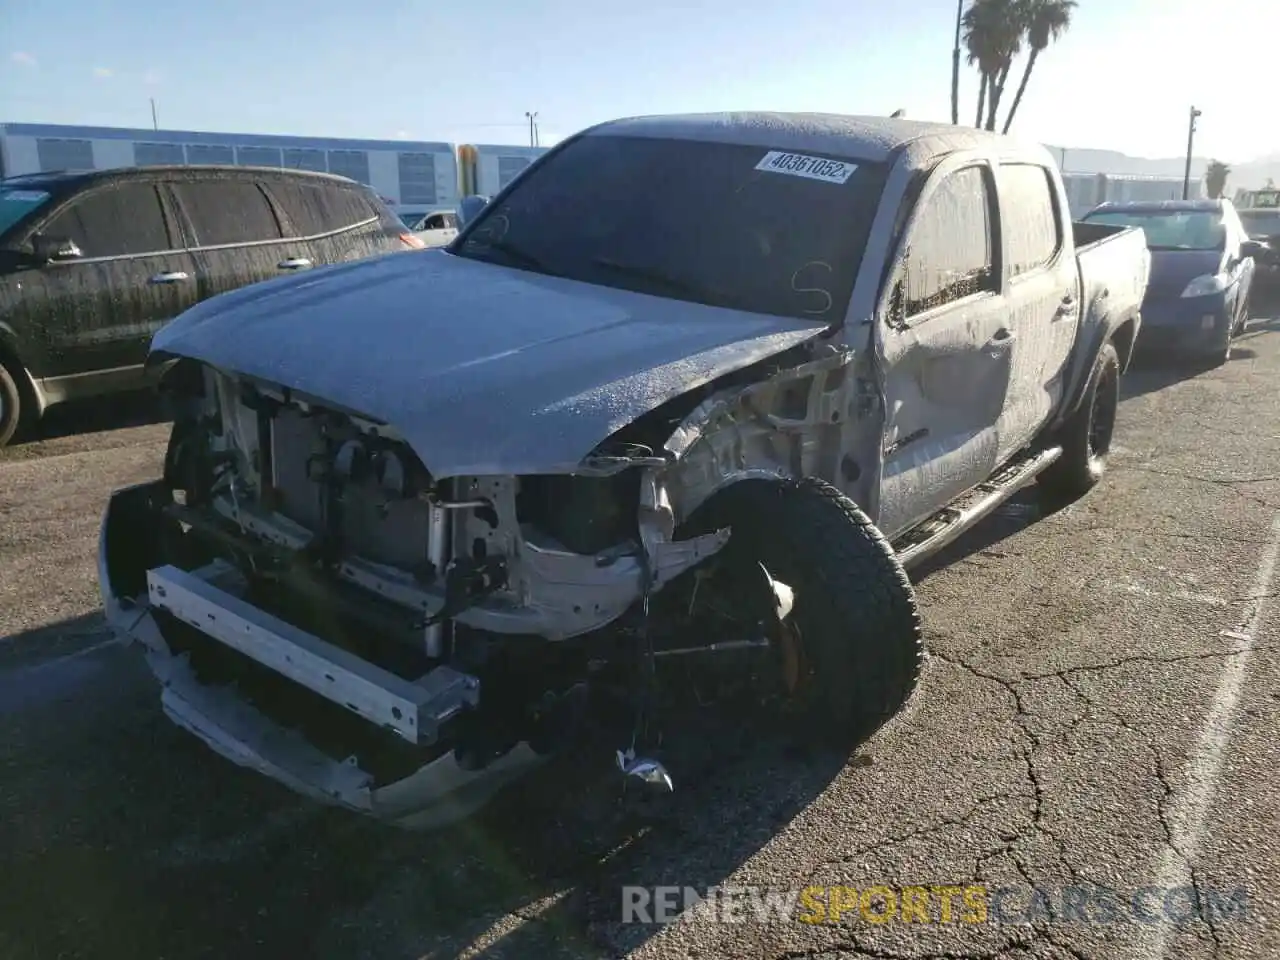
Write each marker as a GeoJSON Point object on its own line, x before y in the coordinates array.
{"type": "Point", "coordinates": [1248, 175]}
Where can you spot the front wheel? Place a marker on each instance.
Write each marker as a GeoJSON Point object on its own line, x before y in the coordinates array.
{"type": "Point", "coordinates": [1086, 436]}
{"type": "Point", "coordinates": [851, 652]}
{"type": "Point", "coordinates": [11, 412]}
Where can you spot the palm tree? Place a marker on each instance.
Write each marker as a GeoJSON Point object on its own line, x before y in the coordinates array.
{"type": "Point", "coordinates": [1044, 22]}
{"type": "Point", "coordinates": [978, 31]}
{"type": "Point", "coordinates": [993, 36]}
{"type": "Point", "coordinates": [1215, 179]}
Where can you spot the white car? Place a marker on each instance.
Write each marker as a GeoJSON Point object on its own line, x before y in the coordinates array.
{"type": "Point", "coordinates": [437, 229]}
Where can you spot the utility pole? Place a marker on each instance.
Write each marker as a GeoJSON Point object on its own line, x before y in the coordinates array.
{"type": "Point", "coordinates": [533, 129]}
{"type": "Point", "coordinates": [1191, 137]}
{"type": "Point", "coordinates": [955, 66]}
{"type": "Point", "coordinates": [155, 123]}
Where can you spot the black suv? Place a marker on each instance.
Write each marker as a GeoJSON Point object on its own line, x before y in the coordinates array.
{"type": "Point", "coordinates": [93, 263]}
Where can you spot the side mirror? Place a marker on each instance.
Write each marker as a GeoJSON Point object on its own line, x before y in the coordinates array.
{"type": "Point", "coordinates": [50, 249]}
{"type": "Point", "coordinates": [470, 208]}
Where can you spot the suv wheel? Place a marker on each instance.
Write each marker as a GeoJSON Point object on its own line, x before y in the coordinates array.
{"type": "Point", "coordinates": [851, 652]}
{"type": "Point", "coordinates": [11, 406]}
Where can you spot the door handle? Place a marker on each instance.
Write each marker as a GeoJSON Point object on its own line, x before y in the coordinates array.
{"type": "Point", "coordinates": [174, 276]}
{"type": "Point", "coordinates": [293, 263]}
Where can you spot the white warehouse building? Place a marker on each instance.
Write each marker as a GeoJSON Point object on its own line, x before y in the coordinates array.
{"type": "Point", "coordinates": [414, 177]}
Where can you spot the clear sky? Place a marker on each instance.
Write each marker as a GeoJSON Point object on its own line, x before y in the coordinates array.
{"type": "Point", "coordinates": [1123, 78]}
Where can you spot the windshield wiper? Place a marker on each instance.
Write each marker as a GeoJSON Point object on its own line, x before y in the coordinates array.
{"type": "Point", "coordinates": [676, 285]}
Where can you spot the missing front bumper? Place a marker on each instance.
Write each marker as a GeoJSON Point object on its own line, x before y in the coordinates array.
{"type": "Point", "coordinates": [136, 585]}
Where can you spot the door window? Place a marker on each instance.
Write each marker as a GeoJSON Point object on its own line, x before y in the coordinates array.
{"type": "Point", "coordinates": [125, 220]}
{"type": "Point", "coordinates": [227, 211]}
{"type": "Point", "coordinates": [313, 209]}
{"type": "Point", "coordinates": [951, 248]}
{"type": "Point", "coordinates": [1029, 217]}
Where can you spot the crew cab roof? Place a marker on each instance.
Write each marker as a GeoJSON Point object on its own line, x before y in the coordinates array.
{"type": "Point", "coordinates": [868, 138]}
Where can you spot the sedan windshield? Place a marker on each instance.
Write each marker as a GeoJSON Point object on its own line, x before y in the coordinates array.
{"type": "Point", "coordinates": [1170, 229]}
{"type": "Point", "coordinates": [720, 224]}
{"type": "Point", "coordinates": [16, 204]}
{"type": "Point", "coordinates": [1261, 223]}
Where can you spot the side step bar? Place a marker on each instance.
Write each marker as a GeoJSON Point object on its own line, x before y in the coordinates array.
{"type": "Point", "coordinates": [414, 710]}
{"type": "Point", "coordinates": [953, 520]}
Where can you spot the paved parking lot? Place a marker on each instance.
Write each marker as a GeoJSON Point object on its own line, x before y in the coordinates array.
{"type": "Point", "coordinates": [1100, 708]}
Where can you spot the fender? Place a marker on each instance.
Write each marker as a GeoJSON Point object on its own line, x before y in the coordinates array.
{"type": "Point", "coordinates": [1123, 328]}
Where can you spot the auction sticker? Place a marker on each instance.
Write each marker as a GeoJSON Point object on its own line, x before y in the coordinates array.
{"type": "Point", "coordinates": [812, 168]}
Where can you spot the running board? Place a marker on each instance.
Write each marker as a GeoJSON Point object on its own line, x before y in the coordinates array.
{"type": "Point", "coordinates": [960, 515]}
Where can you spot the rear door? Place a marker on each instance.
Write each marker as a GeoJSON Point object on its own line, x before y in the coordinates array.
{"type": "Point", "coordinates": [333, 221]}
{"type": "Point", "coordinates": [234, 233]}
{"type": "Point", "coordinates": [100, 310]}
{"type": "Point", "coordinates": [946, 346]}
{"type": "Point", "coordinates": [1041, 294]}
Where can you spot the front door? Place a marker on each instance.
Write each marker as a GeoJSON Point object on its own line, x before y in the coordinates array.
{"type": "Point", "coordinates": [101, 308]}
{"type": "Point", "coordinates": [946, 346]}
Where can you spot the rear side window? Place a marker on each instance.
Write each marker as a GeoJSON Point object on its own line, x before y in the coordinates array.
{"type": "Point", "coordinates": [227, 211]}
{"type": "Point", "coordinates": [951, 252]}
{"type": "Point", "coordinates": [314, 208]}
{"type": "Point", "coordinates": [1028, 216]}
{"type": "Point", "coordinates": [113, 222]}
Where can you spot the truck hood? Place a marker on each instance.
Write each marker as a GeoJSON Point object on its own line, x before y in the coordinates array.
{"type": "Point", "coordinates": [483, 369]}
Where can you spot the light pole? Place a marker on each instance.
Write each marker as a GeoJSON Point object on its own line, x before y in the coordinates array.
{"type": "Point", "coordinates": [533, 128]}
{"type": "Point", "coordinates": [955, 66]}
{"type": "Point", "coordinates": [1191, 137]}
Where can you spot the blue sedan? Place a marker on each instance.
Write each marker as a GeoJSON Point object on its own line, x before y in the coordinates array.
{"type": "Point", "coordinates": [1202, 267]}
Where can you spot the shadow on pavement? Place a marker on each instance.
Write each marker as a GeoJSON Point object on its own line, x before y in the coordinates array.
{"type": "Point", "coordinates": [125, 837]}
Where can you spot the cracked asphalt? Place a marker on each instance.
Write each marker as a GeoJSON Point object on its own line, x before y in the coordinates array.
{"type": "Point", "coordinates": [1099, 712]}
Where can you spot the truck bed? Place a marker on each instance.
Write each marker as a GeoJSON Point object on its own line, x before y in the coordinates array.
{"type": "Point", "coordinates": [1107, 256]}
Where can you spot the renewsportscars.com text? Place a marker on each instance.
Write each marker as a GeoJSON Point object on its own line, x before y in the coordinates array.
{"type": "Point", "coordinates": [938, 904]}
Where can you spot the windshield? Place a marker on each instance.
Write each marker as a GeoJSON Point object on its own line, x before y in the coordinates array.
{"type": "Point", "coordinates": [17, 203]}
{"type": "Point", "coordinates": [720, 224]}
{"type": "Point", "coordinates": [1170, 229]}
{"type": "Point", "coordinates": [1261, 223]}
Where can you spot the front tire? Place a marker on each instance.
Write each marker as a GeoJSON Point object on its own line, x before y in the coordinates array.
{"type": "Point", "coordinates": [1086, 436]}
{"type": "Point", "coordinates": [855, 624]}
{"type": "Point", "coordinates": [11, 405]}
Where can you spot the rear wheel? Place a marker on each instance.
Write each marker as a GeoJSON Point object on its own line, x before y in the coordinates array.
{"type": "Point", "coordinates": [1086, 437]}
{"type": "Point", "coordinates": [850, 654]}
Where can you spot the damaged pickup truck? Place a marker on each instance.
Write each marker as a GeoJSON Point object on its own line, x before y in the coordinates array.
{"type": "Point", "coordinates": [692, 390]}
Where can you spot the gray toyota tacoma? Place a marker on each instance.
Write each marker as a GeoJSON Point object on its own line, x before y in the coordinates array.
{"type": "Point", "coordinates": [692, 390]}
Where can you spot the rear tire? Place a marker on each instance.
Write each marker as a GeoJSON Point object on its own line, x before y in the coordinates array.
{"type": "Point", "coordinates": [860, 640]}
{"type": "Point", "coordinates": [1086, 437]}
{"type": "Point", "coordinates": [12, 404]}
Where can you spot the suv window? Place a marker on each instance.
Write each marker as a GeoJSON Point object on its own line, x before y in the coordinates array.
{"type": "Point", "coordinates": [227, 211]}
{"type": "Point", "coordinates": [951, 252]}
{"type": "Point", "coordinates": [313, 208]}
{"type": "Point", "coordinates": [115, 221]}
{"type": "Point", "coordinates": [1028, 216]}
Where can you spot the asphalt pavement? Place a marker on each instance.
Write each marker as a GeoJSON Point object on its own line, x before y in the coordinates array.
{"type": "Point", "coordinates": [1088, 761]}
